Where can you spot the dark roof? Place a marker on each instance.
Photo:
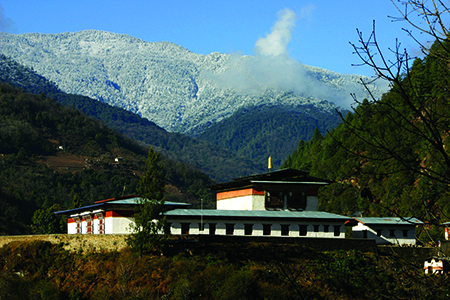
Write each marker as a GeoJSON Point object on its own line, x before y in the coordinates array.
{"type": "Point", "coordinates": [283, 176]}
{"type": "Point", "coordinates": [127, 201]}
{"type": "Point", "coordinates": [254, 214]}
{"type": "Point", "coordinates": [389, 221]}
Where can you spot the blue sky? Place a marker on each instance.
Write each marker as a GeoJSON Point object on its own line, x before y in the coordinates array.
{"type": "Point", "coordinates": [317, 33]}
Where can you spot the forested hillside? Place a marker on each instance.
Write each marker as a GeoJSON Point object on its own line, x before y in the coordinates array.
{"type": "Point", "coordinates": [52, 157]}
{"type": "Point", "coordinates": [261, 131]}
{"type": "Point", "coordinates": [390, 157]}
{"type": "Point", "coordinates": [214, 161]}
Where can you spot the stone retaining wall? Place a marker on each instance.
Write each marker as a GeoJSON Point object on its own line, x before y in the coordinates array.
{"type": "Point", "coordinates": [73, 242]}
{"type": "Point", "coordinates": [97, 242]}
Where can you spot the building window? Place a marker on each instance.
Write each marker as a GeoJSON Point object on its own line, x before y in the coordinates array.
{"type": "Point", "coordinates": [297, 201]}
{"type": "Point", "coordinates": [167, 227]}
{"type": "Point", "coordinates": [392, 232]}
{"type": "Point", "coordinates": [364, 234]}
{"type": "Point", "coordinates": [379, 232]}
{"type": "Point", "coordinates": [303, 230]}
{"type": "Point", "coordinates": [405, 233]}
{"type": "Point", "coordinates": [89, 224]}
{"type": "Point", "coordinates": [185, 228]}
{"type": "Point", "coordinates": [337, 230]}
{"type": "Point", "coordinates": [316, 228]}
{"type": "Point", "coordinates": [212, 228]}
{"type": "Point", "coordinates": [101, 223]}
{"type": "Point", "coordinates": [274, 200]}
{"type": "Point", "coordinates": [267, 229]}
{"type": "Point", "coordinates": [229, 229]}
{"type": "Point", "coordinates": [248, 229]}
{"type": "Point", "coordinates": [78, 221]}
{"type": "Point", "coordinates": [326, 228]}
{"type": "Point", "coordinates": [285, 229]}
{"type": "Point", "coordinates": [279, 199]}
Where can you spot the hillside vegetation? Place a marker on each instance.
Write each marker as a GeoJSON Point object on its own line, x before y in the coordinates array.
{"type": "Point", "coordinates": [41, 270]}
{"type": "Point", "coordinates": [53, 156]}
{"type": "Point", "coordinates": [261, 131]}
{"type": "Point", "coordinates": [390, 157]}
{"type": "Point", "coordinates": [214, 161]}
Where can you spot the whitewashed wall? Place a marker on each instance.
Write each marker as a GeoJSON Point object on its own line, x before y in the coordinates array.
{"type": "Point", "coordinates": [257, 202]}
{"type": "Point", "coordinates": [118, 225]}
{"type": "Point", "coordinates": [72, 228]}
{"type": "Point", "coordinates": [294, 230]}
{"type": "Point", "coordinates": [385, 238]}
{"type": "Point", "coordinates": [248, 202]}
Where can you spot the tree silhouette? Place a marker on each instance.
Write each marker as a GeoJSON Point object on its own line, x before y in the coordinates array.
{"type": "Point", "coordinates": [415, 113]}
{"type": "Point", "coordinates": [149, 219]}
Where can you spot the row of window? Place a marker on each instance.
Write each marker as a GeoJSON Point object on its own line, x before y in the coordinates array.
{"type": "Point", "coordinates": [267, 229]}
{"type": "Point", "coordinates": [90, 224]}
{"type": "Point", "coordinates": [285, 200]}
{"type": "Point", "coordinates": [391, 233]}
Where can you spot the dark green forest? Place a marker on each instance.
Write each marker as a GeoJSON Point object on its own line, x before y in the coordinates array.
{"type": "Point", "coordinates": [390, 157]}
{"type": "Point", "coordinates": [32, 130]}
{"type": "Point", "coordinates": [259, 132]}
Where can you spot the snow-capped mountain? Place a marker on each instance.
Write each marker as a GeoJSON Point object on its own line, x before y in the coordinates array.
{"type": "Point", "coordinates": [177, 89]}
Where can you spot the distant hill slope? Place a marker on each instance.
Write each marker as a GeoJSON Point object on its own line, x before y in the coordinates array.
{"type": "Point", "coordinates": [212, 160]}
{"type": "Point", "coordinates": [51, 155]}
{"type": "Point", "coordinates": [179, 90]}
{"type": "Point", "coordinates": [268, 130]}
{"type": "Point", "coordinates": [391, 157]}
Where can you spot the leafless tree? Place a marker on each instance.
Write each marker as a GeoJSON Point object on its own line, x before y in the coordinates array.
{"type": "Point", "coordinates": [415, 112]}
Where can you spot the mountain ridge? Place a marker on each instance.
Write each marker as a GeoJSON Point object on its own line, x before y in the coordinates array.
{"type": "Point", "coordinates": [177, 89]}
{"type": "Point", "coordinates": [218, 163]}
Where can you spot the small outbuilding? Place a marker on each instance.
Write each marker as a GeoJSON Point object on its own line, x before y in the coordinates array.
{"type": "Point", "coordinates": [110, 216]}
{"type": "Point", "coordinates": [388, 230]}
{"type": "Point", "coordinates": [447, 230]}
{"type": "Point", "coordinates": [436, 265]}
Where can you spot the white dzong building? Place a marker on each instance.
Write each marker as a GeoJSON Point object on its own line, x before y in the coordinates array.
{"type": "Point", "coordinates": [110, 216]}
{"type": "Point", "coordinates": [281, 203]}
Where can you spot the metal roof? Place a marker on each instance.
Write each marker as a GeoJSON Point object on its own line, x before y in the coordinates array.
{"type": "Point", "coordinates": [276, 214]}
{"type": "Point", "coordinates": [127, 201]}
{"type": "Point", "coordinates": [389, 221]}
{"type": "Point", "coordinates": [283, 176]}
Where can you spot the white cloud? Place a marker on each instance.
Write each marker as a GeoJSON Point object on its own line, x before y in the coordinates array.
{"type": "Point", "coordinates": [275, 43]}
{"type": "Point", "coordinates": [273, 68]}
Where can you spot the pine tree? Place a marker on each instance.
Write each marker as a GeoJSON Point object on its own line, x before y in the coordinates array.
{"type": "Point", "coordinates": [149, 218]}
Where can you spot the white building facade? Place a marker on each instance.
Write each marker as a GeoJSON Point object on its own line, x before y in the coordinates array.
{"type": "Point", "coordinates": [110, 216]}
{"type": "Point", "coordinates": [282, 203]}
{"type": "Point", "coordinates": [276, 204]}
{"type": "Point", "coordinates": [387, 231]}
{"type": "Point", "coordinates": [256, 223]}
